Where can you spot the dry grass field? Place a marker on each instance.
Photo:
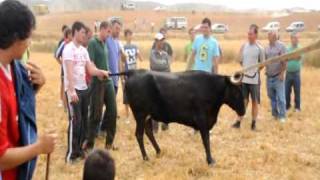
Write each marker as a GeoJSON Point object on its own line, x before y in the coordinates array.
{"type": "Point", "coordinates": [275, 151]}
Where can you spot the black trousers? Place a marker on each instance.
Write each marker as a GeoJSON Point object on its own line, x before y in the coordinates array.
{"type": "Point", "coordinates": [102, 94]}
{"type": "Point", "coordinates": [78, 116]}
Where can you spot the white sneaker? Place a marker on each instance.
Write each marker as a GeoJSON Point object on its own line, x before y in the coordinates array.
{"type": "Point", "coordinates": [282, 120]}
{"type": "Point", "coordinates": [297, 110]}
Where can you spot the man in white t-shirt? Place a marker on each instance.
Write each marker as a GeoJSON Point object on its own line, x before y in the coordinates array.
{"type": "Point", "coordinates": [251, 53]}
{"type": "Point", "coordinates": [76, 62]}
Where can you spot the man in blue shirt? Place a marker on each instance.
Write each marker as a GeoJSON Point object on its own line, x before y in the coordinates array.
{"type": "Point", "coordinates": [114, 51]}
{"type": "Point", "coordinates": [205, 50]}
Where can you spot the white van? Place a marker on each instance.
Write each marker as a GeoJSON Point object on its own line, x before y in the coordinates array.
{"type": "Point", "coordinates": [271, 26]}
{"type": "Point", "coordinates": [176, 23]}
{"type": "Point", "coordinates": [216, 28]}
{"type": "Point", "coordinates": [128, 5]}
{"type": "Point", "coordinates": [219, 28]}
{"type": "Point", "coordinates": [297, 26]}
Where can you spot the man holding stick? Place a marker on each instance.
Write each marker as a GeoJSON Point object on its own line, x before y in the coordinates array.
{"type": "Point", "coordinates": [19, 145]}
{"type": "Point", "coordinates": [275, 73]}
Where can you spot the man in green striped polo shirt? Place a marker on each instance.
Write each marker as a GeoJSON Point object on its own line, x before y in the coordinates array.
{"type": "Point", "coordinates": [293, 77]}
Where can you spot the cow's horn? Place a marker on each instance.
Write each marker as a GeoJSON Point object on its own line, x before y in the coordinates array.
{"type": "Point", "coordinates": [236, 78]}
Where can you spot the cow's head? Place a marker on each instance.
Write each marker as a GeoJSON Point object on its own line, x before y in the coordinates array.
{"type": "Point", "coordinates": [233, 97]}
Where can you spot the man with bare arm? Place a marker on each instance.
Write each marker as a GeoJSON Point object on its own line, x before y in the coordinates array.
{"type": "Point", "coordinates": [76, 62]}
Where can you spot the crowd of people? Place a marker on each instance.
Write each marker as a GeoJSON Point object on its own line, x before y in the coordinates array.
{"type": "Point", "coordinates": [89, 94]}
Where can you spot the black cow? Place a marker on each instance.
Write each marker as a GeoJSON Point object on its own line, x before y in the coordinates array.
{"type": "Point", "coordinates": [191, 98]}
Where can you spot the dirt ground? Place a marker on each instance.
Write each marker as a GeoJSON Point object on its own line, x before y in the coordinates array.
{"type": "Point", "coordinates": [275, 151]}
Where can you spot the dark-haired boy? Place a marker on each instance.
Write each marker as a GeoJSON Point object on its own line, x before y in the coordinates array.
{"type": "Point", "coordinates": [58, 57]}
{"type": "Point", "coordinates": [205, 50]}
{"type": "Point", "coordinates": [19, 145]}
{"type": "Point", "coordinates": [76, 63]}
{"type": "Point", "coordinates": [99, 166]}
{"type": "Point", "coordinates": [129, 63]}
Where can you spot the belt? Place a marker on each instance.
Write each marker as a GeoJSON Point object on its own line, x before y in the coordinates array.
{"type": "Point", "coordinates": [293, 72]}
{"type": "Point", "coordinates": [273, 76]}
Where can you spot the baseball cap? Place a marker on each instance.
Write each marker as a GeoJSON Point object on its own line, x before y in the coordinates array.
{"type": "Point", "coordinates": [159, 36]}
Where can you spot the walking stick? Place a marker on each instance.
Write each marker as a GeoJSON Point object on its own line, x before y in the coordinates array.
{"type": "Point", "coordinates": [237, 77]}
{"type": "Point", "coordinates": [48, 167]}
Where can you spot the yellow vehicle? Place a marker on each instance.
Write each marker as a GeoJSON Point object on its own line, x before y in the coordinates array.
{"type": "Point", "coordinates": [40, 9]}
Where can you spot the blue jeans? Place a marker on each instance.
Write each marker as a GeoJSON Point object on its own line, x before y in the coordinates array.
{"type": "Point", "coordinates": [276, 93]}
{"type": "Point", "coordinates": [293, 81]}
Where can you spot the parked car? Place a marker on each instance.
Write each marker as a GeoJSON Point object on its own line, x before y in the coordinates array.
{"type": "Point", "coordinates": [219, 28]}
{"type": "Point", "coordinates": [128, 5]}
{"type": "Point", "coordinates": [216, 28]}
{"type": "Point", "coordinates": [113, 18]}
{"type": "Point", "coordinates": [197, 28]}
{"type": "Point", "coordinates": [176, 23]}
{"type": "Point", "coordinates": [297, 26]}
{"type": "Point", "coordinates": [271, 26]}
{"type": "Point", "coordinates": [160, 8]}
{"type": "Point", "coordinates": [40, 9]}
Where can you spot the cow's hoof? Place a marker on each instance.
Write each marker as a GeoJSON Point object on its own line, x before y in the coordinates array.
{"type": "Point", "coordinates": [237, 125]}
{"type": "Point", "coordinates": [146, 158]}
{"type": "Point", "coordinates": [253, 126]}
{"type": "Point", "coordinates": [159, 154]}
{"type": "Point", "coordinates": [211, 163]}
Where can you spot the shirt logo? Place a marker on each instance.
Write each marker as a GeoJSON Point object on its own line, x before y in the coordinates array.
{"type": "Point", "coordinates": [204, 52]}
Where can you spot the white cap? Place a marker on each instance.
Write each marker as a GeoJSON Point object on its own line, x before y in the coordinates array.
{"type": "Point", "coordinates": [159, 36]}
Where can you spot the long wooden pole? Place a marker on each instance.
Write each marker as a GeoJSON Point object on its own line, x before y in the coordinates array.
{"type": "Point", "coordinates": [237, 76]}
{"type": "Point", "coordinates": [285, 57]}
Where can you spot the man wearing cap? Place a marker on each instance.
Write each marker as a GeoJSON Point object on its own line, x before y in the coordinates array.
{"type": "Point", "coordinates": [275, 73]}
{"type": "Point", "coordinates": [166, 46]}
{"type": "Point", "coordinates": [159, 61]}
{"type": "Point", "coordinates": [205, 50]}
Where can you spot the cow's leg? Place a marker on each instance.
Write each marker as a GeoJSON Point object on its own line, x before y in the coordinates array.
{"type": "Point", "coordinates": [150, 135]}
{"type": "Point", "coordinates": [206, 142]}
{"type": "Point", "coordinates": [139, 136]}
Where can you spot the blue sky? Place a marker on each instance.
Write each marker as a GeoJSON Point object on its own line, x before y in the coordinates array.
{"type": "Point", "coordinates": [248, 4]}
